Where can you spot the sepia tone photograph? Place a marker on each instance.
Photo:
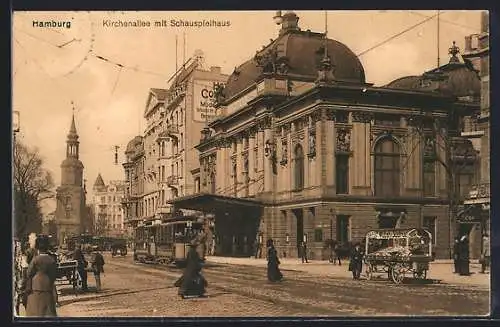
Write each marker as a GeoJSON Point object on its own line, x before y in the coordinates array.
{"type": "Point", "coordinates": [250, 164]}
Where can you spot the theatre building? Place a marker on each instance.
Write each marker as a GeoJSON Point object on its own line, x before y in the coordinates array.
{"type": "Point", "coordinates": [304, 149]}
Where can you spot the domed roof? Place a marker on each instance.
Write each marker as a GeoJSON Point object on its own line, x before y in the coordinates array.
{"type": "Point", "coordinates": [300, 53]}
{"type": "Point", "coordinates": [132, 145]}
{"type": "Point", "coordinates": [406, 83]}
{"type": "Point", "coordinates": [455, 78]}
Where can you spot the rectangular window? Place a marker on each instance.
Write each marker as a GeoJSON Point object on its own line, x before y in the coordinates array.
{"type": "Point", "coordinates": [385, 222]}
{"type": "Point", "coordinates": [318, 235]}
{"type": "Point", "coordinates": [430, 224]}
{"type": "Point", "coordinates": [465, 179]}
{"type": "Point", "coordinates": [342, 174]}
{"type": "Point", "coordinates": [256, 159]}
{"type": "Point", "coordinates": [429, 178]}
{"type": "Point", "coordinates": [343, 229]}
{"type": "Point", "coordinates": [341, 117]}
{"type": "Point", "coordinates": [197, 185]}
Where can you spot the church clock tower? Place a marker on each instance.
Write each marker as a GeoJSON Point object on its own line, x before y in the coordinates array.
{"type": "Point", "coordinates": [70, 209]}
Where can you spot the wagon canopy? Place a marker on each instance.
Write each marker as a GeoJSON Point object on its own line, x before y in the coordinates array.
{"type": "Point", "coordinates": [385, 234]}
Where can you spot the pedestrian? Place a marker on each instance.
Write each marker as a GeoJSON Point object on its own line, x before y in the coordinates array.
{"type": "Point", "coordinates": [485, 255]}
{"type": "Point", "coordinates": [356, 261]}
{"type": "Point", "coordinates": [81, 267]}
{"type": "Point", "coordinates": [273, 272]}
{"type": "Point", "coordinates": [456, 255]}
{"type": "Point", "coordinates": [337, 250]}
{"type": "Point", "coordinates": [464, 256]}
{"type": "Point", "coordinates": [41, 276]}
{"type": "Point", "coordinates": [97, 264]}
{"type": "Point", "coordinates": [303, 252]}
{"type": "Point", "coordinates": [53, 254]}
{"type": "Point", "coordinates": [192, 283]}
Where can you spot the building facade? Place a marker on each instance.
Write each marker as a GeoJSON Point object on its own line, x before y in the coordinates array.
{"type": "Point", "coordinates": [475, 217]}
{"type": "Point", "coordinates": [107, 208]}
{"type": "Point", "coordinates": [163, 164]}
{"type": "Point", "coordinates": [71, 194]}
{"type": "Point", "coordinates": [304, 149]}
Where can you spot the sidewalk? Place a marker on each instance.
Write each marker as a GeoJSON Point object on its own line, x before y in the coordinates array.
{"type": "Point", "coordinates": [441, 270]}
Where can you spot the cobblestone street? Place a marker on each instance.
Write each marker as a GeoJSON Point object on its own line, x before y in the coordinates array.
{"type": "Point", "coordinates": [238, 290]}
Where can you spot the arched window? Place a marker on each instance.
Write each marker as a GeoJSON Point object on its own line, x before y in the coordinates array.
{"type": "Point", "coordinates": [387, 170]}
{"type": "Point", "coordinates": [299, 167]}
{"type": "Point", "coordinates": [212, 183]}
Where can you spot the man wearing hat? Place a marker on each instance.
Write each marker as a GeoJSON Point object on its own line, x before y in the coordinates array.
{"type": "Point", "coordinates": [356, 262]}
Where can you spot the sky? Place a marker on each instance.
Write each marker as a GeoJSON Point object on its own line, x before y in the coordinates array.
{"type": "Point", "coordinates": [56, 69]}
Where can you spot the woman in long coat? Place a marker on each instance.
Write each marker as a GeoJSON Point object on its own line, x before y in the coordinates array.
{"type": "Point", "coordinates": [41, 275]}
{"type": "Point", "coordinates": [273, 272]}
{"type": "Point", "coordinates": [192, 283]}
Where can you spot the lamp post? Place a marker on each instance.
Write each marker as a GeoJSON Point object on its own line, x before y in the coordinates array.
{"type": "Point", "coordinates": [332, 212]}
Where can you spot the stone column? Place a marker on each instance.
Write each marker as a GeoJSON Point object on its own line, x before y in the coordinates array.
{"type": "Point", "coordinates": [239, 167]}
{"type": "Point", "coordinates": [328, 161]}
{"type": "Point", "coordinates": [268, 168]}
{"type": "Point", "coordinates": [252, 174]}
{"type": "Point", "coordinates": [360, 142]}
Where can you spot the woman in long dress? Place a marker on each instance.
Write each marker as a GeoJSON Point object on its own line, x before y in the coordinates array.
{"type": "Point", "coordinates": [42, 272]}
{"type": "Point", "coordinates": [192, 283]}
{"type": "Point", "coordinates": [273, 272]}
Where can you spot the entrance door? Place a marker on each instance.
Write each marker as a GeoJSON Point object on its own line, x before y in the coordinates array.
{"type": "Point", "coordinates": [299, 215]}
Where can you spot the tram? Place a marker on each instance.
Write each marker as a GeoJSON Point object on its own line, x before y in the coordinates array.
{"type": "Point", "coordinates": [166, 242]}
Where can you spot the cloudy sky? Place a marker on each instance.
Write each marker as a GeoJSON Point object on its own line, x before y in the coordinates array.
{"type": "Point", "coordinates": [53, 67]}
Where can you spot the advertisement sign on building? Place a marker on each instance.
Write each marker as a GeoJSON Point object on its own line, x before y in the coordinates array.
{"type": "Point", "coordinates": [203, 100]}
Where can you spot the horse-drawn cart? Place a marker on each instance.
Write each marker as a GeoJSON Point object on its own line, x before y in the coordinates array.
{"type": "Point", "coordinates": [398, 252]}
{"type": "Point", "coordinates": [67, 273]}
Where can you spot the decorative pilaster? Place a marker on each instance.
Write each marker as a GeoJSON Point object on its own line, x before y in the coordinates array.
{"type": "Point", "coordinates": [362, 152]}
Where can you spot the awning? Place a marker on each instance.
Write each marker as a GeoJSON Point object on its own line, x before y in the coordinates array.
{"type": "Point", "coordinates": [212, 203]}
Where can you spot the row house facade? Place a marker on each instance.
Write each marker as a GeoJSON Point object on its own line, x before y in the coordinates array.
{"type": "Point", "coordinates": [107, 208]}
{"type": "Point", "coordinates": [304, 149]}
{"type": "Point", "coordinates": [162, 164]}
{"type": "Point", "coordinates": [475, 217]}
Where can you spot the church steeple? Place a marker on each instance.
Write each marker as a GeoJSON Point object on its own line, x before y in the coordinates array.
{"type": "Point", "coordinates": [72, 143]}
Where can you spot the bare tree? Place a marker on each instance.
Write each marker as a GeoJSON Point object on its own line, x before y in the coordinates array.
{"type": "Point", "coordinates": [439, 141]}
{"type": "Point", "coordinates": [32, 184]}
{"type": "Point", "coordinates": [101, 225]}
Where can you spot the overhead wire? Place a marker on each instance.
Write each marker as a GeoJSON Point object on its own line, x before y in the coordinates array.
{"type": "Point", "coordinates": [477, 29]}
{"type": "Point", "coordinates": [406, 30]}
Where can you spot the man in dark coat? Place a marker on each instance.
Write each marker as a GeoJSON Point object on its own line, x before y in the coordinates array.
{"type": "Point", "coordinates": [303, 252]}
{"type": "Point", "coordinates": [97, 264]}
{"type": "Point", "coordinates": [41, 276]}
{"type": "Point", "coordinates": [356, 262]}
{"type": "Point", "coordinates": [464, 256]}
{"type": "Point", "coordinates": [192, 283]}
{"type": "Point", "coordinates": [273, 272]}
{"type": "Point", "coordinates": [82, 264]}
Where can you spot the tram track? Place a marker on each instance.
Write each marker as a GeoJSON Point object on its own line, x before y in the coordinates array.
{"type": "Point", "coordinates": [328, 296]}
{"type": "Point", "coordinates": [259, 290]}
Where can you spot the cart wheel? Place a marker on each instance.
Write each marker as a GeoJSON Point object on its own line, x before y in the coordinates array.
{"type": "Point", "coordinates": [77, 281]}
{"type": "Point", "coordinates": [398, 273]}
{"type": "Point", "coordinates": [369, 272]}
{"type": "Point", "coordinates": [420, 274]}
